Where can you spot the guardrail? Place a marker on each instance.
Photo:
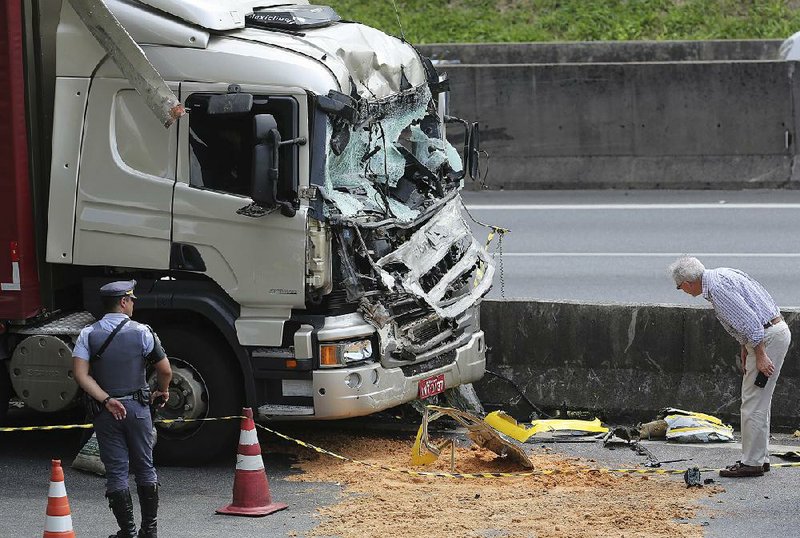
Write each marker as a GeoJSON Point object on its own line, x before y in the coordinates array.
{"type": "Point", "coordinates": [624, 362]}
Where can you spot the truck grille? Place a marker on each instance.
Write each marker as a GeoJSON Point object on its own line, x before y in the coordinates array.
{"type": "Point", "coordinates": [437, 362]}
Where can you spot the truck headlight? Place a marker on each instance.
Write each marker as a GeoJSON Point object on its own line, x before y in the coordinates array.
{"type": "Point", "coordinates": [337, 354]}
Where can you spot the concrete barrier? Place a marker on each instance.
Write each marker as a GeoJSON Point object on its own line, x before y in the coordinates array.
{"type": "Point", "coordinates": [653, 118]}
{"type": "Point", "coordinates": [622, 362]}
{"type": "Point", "coordinates": [604, 52]}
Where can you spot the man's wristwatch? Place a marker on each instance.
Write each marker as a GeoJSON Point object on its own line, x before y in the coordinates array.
{"type": "Point", "coordinates": [106, 400]}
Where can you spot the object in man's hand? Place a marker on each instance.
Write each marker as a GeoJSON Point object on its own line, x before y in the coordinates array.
{"type": "Point", "coordinates": [158, 401]}
{"type": "Point", "coordinates": [761, 380]}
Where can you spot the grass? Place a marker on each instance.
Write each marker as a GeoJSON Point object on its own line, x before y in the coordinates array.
{"type": "Point", "coordinates": [472, 21]}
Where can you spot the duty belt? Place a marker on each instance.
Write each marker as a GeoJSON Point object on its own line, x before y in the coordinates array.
{"type": "Point", "coordinates": [141, 396]}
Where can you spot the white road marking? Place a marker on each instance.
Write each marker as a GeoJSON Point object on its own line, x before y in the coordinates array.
{"type": "Point", "coordinates": [571, 207]}
{"type": "Point", "coordinates": [650, 254]}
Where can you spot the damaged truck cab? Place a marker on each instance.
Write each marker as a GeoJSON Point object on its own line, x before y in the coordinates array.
{"type": "Point", "coordinates": [297, 237]}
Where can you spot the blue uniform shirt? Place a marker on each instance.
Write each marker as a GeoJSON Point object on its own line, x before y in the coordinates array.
{"type": "Point", "coordinates": [109, 322]}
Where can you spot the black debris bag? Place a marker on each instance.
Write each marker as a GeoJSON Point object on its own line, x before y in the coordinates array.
{"type": "Point", "coordinates": [692, 477]}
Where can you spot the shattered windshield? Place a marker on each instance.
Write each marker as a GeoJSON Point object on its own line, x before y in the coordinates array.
{"type": "Point", "coordinates": [403, 251]}
{"type": "Point", "coordinates": [393, 162]}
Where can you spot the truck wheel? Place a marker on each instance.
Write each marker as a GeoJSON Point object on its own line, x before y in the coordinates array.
{"type": "Point", "coordinates": [205, 383]}
{"type": "Point", "coordinates": [5, 392]}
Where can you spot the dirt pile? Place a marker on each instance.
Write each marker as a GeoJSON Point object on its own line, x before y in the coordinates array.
{"type": "Point", "coordinates": [377, 503]}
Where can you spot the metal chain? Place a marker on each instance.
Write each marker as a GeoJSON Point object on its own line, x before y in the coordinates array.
{"type": "Point", "coordinates": [499, 250]}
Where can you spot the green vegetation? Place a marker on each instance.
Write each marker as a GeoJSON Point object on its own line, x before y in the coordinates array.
{"type": "Point", "coordinates": [450, 21]}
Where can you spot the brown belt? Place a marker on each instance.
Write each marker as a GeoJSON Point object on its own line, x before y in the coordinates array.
{"type": "Point", "coordinates": [773, 321]}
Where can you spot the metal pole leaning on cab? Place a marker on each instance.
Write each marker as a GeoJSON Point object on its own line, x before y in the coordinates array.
{"type": "Point", "coordinates": [130, 59]}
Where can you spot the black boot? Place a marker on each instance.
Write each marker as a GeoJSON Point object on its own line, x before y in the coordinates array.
{"type": "Point", "coordinates": [148, 501]}
{"type": "Point", "coordinates": [121, 504]}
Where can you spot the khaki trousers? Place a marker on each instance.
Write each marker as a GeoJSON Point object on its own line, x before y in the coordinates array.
{"type": "Point", "coordinates": [757, 402]}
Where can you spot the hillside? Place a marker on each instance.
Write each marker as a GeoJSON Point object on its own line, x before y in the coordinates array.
{"type": "Point", "coordinates": [449, 21]}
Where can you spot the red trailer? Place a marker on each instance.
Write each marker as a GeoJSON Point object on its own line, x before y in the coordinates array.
{"type": "Point", "coordinates": [19, 283]}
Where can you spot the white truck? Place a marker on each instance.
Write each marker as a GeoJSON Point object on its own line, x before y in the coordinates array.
{"type": "Point", "coordinates": [297, 236]}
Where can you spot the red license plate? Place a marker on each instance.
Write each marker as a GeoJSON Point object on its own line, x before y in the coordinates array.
{"type": "Point", "coordinates": [431, 386]}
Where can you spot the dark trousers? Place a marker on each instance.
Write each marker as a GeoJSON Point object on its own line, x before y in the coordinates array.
{"type": "Point", "coordinates": [123, 441]}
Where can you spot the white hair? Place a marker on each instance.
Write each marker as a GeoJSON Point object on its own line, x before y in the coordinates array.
{"type": "Point", "coordinates": [686, 269]}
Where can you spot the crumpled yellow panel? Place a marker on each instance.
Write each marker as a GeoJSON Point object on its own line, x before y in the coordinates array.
{"type": "Point", "coordinates": [503, 423]}
{"type": "Point", "coordinates": [480, 434]}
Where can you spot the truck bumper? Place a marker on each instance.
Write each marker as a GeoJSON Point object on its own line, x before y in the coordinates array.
{"type": "Point", "coordinates": [352, 392]}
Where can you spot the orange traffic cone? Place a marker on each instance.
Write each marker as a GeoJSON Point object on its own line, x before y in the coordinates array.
{"type": "Point", "coordinates": [59, 521]}
{"type": "Point", "coordinates": [250, 485]}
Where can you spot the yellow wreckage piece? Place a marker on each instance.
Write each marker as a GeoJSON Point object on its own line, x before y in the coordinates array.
{"type": "Point", "coordinates": [693, 427]}
{"type": "Point", "coordinates": [503, 423]}
{"type": "Point", "coordinates": [671, 411]}
{"type": "Point", "coordinates": [425, 452]}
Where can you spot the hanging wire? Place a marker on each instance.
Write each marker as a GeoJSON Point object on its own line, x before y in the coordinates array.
{"type": "Point", "coordinates": [400, 24]}
{"type": "Point", "coordinates": [498, 253]}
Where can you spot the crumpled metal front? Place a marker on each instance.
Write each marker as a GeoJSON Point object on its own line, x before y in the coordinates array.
{"type": "Point", "coordinates": [427, 247]}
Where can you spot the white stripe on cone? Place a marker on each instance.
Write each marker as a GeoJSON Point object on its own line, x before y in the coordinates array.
{"type": "Point", "coordinates": [57, 489]}
{"type": "Point", "coordinates": [249, 463]}
{"type": "Point", "coordinates": [248, 437]}
{"type": "Point", "coordinates": [58, 524]}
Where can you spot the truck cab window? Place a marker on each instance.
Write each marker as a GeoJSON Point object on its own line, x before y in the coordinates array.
{"type": "Point", "coordinates": [221, 146]}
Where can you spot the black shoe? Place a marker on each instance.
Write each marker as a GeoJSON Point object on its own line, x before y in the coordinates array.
{"type": "Point", "coordinates": [765, 467]}
{"type": "Point", "coordinates": [148, 501]}
{"type": "Point", "coordinates": [122, 506]}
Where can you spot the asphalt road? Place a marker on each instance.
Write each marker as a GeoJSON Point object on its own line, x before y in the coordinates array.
{"type": "Point", "coordinates": [614, 246]}
{"type": "Point", "coordinates": [190, 495]}
{"type": "Point", "coordinates": [764, 506]}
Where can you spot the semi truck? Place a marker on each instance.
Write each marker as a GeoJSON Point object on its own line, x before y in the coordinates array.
{"type": "Point", "coordinates": [296, 236]}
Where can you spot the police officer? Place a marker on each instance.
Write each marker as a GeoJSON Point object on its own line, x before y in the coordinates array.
{"type": "Point", "coordinates": [110, 358]}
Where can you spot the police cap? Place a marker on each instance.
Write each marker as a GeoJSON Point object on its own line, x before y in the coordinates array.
{"type": "Point", "coordinates": [119, 288]}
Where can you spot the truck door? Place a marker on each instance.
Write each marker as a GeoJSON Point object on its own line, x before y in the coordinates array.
{"type": "Point", "coordinates": [125, 182]}
{"type": "Point", "coordinates": [258, 260]}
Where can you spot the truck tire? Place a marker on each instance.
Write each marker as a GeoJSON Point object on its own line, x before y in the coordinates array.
{"type": "Point", "coordinates": [206, 382]}
{"type": "Point", "coordinates": [5, 392]}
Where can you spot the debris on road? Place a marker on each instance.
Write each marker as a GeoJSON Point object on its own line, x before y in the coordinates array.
{"type": "Point", "coordinates": [693, 427]}
{"type": "Point", "coordinates": [88, 458]}
{"type": "Point", "coordinates": [792, 455]}
{"type": "Point", "coordinates": [378, 504]}
{"type": "Point", "coordinates": [506, 424]}
{"type": "Point", "coordinates": [657, 429]}
{"type": "Point", "coordinates": [478, 431]}
{"type": "Point", "coordinates": [692, 478]}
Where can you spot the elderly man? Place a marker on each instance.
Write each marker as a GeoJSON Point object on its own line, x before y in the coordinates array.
{"type": "Point", "coordinates": [750, 315]}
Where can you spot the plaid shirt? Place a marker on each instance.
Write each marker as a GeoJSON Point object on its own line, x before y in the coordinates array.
{"type": "Point", "coordinates": [742, 305]}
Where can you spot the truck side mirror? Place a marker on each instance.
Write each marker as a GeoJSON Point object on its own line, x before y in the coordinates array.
{"type": "Point", "coordinates": [472, 160]}
{"type": "Point", "coordinates": [264, 180]}
{"type": "Point", "coordinates": [266, 163]}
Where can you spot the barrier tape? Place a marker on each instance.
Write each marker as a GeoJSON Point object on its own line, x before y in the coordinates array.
{"type": "Point", "coordinates": [434, 474]}
{"type": "Point", "coordinates": [89, 425]}
{"type": "Point", "coordinates": [535, 472]}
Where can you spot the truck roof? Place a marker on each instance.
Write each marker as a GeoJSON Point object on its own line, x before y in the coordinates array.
{"type": "Point", "coordinates": [374, 61]}
{"type": "Point", "coordinates": [378, 65]}
{"type": "Point", "coordinates": [216, 14]}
